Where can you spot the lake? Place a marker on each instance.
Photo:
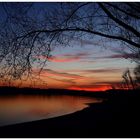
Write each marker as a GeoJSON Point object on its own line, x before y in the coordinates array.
{"type": "Point", "coordinates": [25, 108]}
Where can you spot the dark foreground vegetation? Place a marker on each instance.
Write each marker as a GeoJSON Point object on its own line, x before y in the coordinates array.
{"type": "Point", "coordinates": [117, 117]}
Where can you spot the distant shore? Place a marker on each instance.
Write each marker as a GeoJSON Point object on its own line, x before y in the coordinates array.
{"type": "Point", "coordinates": [12, 91]}
{"type": "Point", "coordinates": [118, 117]}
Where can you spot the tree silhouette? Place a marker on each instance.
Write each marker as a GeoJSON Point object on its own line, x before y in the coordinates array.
{"type": "Point", "coordinates": [125, 77]}
{"type": "Point", "coordinates": [26, 35]}
{"type": "Point", "coordinates": [137, 75]}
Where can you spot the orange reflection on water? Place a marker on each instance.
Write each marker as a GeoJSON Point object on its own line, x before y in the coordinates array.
{"type": "Point", "coordinates": [17, 109]}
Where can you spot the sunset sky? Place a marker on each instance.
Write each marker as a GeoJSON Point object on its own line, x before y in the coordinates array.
{"type": "Point", "coordinates": [88, 64]}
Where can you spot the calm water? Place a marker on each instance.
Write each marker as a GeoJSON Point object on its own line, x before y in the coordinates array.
{"type": "Point", "coordinates": [17, 109]}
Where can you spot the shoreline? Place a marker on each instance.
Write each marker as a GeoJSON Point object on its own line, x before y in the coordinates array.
{"type": "Point", "coordinates": [118, 117]}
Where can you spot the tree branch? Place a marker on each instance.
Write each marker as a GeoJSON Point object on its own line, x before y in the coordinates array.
{"type": "Point", "coordinates": [136, 8]}
{"type": "Point", "coordinates": [65, 21]}
{"type": "Point", "coordinates": [121, 23]}
{"type": "Point", "coordinates": [127, 13]}
{"type": "Point", "coordinates": [83, 30]}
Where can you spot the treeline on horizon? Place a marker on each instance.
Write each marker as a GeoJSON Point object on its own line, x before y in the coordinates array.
{"type": "Point", "coordinates": [10, 91]}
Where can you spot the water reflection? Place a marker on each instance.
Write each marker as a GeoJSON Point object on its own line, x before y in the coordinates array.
{"type": "Point", "coordinates": [17, 109]}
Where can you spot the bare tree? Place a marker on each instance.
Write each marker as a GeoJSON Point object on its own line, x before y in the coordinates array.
{"type": "Point", "coordinates": [25, 35]}
{"type": "Point", "coordinates": [126, 79]}
{"type": "Point", "coordinates": [137, 75]}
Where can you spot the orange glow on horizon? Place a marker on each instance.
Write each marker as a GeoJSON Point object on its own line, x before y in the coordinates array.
{"type": "Point", "coordinates": [101, 88]}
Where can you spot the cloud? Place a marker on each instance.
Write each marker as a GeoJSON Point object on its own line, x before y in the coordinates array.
{"type": "Point", "coordinates": [114, 56]}
{"type": "Point", "coordinates": [128, 55]}
{"type": "Point", "coordinates": [80, 54]}
{"type": "Point", "coordinates": [61, 59]}
{"type": "Point", "coordinates": [66, 57]}
{"type": "Point", "coordinates": [70, 81]}
{"type": "Point", "coordinates": [108, 83]}
{"type": "Point", "coordinates": [87, 61]}
{"type": "Point", "coordinates": [107, 70]}
{"type": "Point", "coordinates": [85, 57]}
{"type": "Point", "coordinates": [69, 57]}
{"type": "Point", "coordinates": [49, 72]}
